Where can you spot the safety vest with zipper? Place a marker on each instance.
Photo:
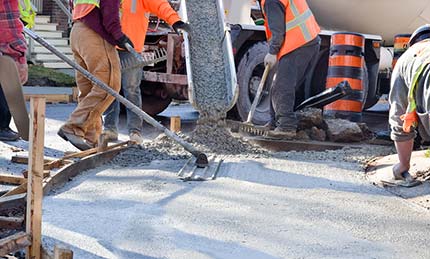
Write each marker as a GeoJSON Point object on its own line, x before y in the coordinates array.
{"type": "Point", "coordinates": [300, 25]}
{"type": "Point", "coordinates": [27, 13]}
{"type": "Point", "coordinates": [410, 118]}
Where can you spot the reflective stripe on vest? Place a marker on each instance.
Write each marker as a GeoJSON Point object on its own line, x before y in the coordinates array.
{"type": "Point", "coordinates": [300, 25]}
{"type": "Point", "coordinates": [299, 20]}
{"type": "Point", "coordinates": [410, 118]}
{"type": "Point", "coordinates": [94, 2]}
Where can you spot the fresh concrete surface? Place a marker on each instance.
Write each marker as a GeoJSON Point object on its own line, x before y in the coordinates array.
{"type": "Point", "coordinates": [260, 208]}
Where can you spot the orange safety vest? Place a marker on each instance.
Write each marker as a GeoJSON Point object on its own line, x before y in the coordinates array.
{"type": "Point", "coordinates": [300, 25]}
{"type": "Point", "coordinates": [83, 7]}
{"type": "Point", "coordinates": [135, 25]}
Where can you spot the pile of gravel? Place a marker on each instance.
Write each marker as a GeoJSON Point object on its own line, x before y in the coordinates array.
{"type": "Point", "coordinates": [215, 137]}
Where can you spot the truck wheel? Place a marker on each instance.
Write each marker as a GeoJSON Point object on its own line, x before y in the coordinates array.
{"type": "Point", "coordinates": [249, 72]}
{"type": "Point", "coordinates": [153, 105]}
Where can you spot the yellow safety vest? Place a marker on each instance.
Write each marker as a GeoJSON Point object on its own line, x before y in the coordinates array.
{"type": "Point", "coordinates": [28, 14]}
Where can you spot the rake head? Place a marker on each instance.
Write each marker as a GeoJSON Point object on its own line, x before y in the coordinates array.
{"type": "Point", "coordinates": [149, 58]}
{"type": "Point", "coordinates": [253, 130]}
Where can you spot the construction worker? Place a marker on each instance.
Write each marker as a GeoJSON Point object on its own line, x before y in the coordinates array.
{"type": "Point", "coordinates": [135, 25]}
{"type": "Point", "coordinates": [12, 43]}
{"type": "Point", "coordinates": [292, 33]}
{"type": "Point", "coordinates": [410, 101]}
{"type": "Point", "coordinates": [95, 33]}
{"type": "Point", "coordinates": [28, 14]}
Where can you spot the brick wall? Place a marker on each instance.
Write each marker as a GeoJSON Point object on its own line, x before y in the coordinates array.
{"type": "Point", "coordinates": [51, 8]}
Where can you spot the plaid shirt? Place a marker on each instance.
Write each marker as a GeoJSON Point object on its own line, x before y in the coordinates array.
{"type": "Point", "coordinates": [12, 41]}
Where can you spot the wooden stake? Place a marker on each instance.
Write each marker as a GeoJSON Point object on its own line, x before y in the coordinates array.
{"type": "Point", "coordinates": [175, 123]}
{"type": "Point", "coordinates": [35, 176]}
{"type": "Point", "coordinates": [62, 252]}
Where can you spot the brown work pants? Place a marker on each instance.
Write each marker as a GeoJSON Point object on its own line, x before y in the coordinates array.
{"type": "Point", "coordinates": [101, 59]}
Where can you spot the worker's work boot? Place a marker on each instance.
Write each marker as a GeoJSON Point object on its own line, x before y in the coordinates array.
{"type": "Point", "coordinates": [110, 135]}
{"type": "Point", "coordinates": [7, 134]}
{"type": "Point", "coordinates": [280, 133]}
{"type": "Point", "coordinates": [76, 141]}
{"type": "Point", "coordinates": [136, 137]}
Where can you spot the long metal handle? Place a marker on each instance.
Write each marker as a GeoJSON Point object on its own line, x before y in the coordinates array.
{"type": "Point", "coordinates": [187, 146]}
{"type": "Point", "coordinates": [258, 95]}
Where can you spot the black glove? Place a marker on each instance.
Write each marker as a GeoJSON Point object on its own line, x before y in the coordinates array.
{"type": "Point", "coordinates": [123, 40]}
{"type": "Point", "coordinates": [180, 25]}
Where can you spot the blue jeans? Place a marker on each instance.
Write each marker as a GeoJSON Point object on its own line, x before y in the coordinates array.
{"type": "Point", "coordinates": [130, 84]}
{"type": "Point", "coordinates": [5, 116]}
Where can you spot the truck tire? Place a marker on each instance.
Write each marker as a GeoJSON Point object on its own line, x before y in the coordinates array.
{"type": "Point", "coordinates": [154, 105]}
{"type": "Point", "coordinates": [249, 72]}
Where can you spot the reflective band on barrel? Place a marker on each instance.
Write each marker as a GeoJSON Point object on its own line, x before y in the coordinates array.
{"type": "Point", "coordinates": [299, 21]}
{"type": "Point", "coordinates": [356, 84]}
{"type": "Point", "coordinates": [345, 105]}
{"type": "Point", "coordinates": [347, 39]}
{"type": "Point", "coordinates": [351, 61]}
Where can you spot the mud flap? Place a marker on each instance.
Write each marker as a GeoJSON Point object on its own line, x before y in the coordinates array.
{"type": "Point", "coordinates": [12, 89]}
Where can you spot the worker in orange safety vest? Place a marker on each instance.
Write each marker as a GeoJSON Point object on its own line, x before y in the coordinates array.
{"type": "Point", "coordinates": [134, 23]}
{"type": "Point", "coordinates": [410, 103]}
{"type": "Point", "coordinates": [292, 33]}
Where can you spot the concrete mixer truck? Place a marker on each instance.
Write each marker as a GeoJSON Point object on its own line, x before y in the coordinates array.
{"type": "Point", "coordinates": [377, 20]}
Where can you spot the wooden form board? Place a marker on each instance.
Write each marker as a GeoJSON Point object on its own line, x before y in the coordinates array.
{"type": "Point", "coordinates": [52, 94]}
{"type": "Point", "coordinates": [35, 176]}
{"type": "Point", "coordinates": [14, 243]}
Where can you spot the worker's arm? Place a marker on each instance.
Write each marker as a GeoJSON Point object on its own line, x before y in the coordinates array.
{"type": "Point", "coordinates": [110, 17]}
{"type": "Point", "coordinates": [274, 10]}
{"type": "Point", "coordinates": [163, 10]}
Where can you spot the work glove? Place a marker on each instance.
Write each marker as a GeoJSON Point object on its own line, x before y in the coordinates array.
{"type": "Point", "coordinates": [181, 26]}
{"type": "Point", "coordinates": [270, 60]}
{"type": "Point", "coordinates": [123, 40]}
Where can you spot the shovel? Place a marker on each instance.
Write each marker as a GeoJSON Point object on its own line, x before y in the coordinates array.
{"type": "Point", "coordinates": [201, 160]}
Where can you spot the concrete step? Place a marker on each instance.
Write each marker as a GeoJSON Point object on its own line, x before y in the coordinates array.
{"type": "Point", "coordinates": [50, 34]}
{"type": "Point", "coordinates": [56, 65]}
{"type": "Point", "coordinates": [50, 57]}
{"type": "Point", "coordinates": [45, 27]}
{"type": "Point", "coordinates": [55, 42]}
{"type": "Point", "coordinates": [42, 18]}
{"type": "Point", "coordinates": [40, 49]}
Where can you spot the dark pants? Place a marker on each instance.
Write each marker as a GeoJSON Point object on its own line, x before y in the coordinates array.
{"type": "Point", "coordinates": [293, 69]}
{"type": "Point", "coordinates": [5, 116]}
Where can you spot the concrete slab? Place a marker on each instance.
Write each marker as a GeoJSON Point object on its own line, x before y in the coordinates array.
{"type": "Point", "coordinates": [381, 169]}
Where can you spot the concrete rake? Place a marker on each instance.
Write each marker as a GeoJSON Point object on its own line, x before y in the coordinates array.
{"type": "Point", "coordinates": [158, 56]}
{"type": "Point", "coordinates": [191, 172]}
{"type": "Point", "coordinates": [201, 160]}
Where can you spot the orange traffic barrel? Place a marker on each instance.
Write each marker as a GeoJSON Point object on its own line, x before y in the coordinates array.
{"type": "Point", "coordinates": [400, 46]}
{"type": "Point", "coordinates": [346, 63]}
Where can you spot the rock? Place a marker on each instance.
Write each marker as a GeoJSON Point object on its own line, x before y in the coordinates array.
{"type": "Point", "coordinates": [317, 134]}
{"type": "Point", "coordinates": [302, 135]}
{"type": "Point", "coordinates": [367, 133]}
{"type": "Point", "coordinates": [339, 130]}
{"type": "Point", "coordinates": [309, 118]}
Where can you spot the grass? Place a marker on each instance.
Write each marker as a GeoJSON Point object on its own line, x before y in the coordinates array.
{"type": "Point", "coordinates": [42, 76]}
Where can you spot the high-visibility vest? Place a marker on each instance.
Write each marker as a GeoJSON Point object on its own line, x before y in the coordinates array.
{"type": "Point", "coordinates": [27, 13]}
{"type": "Point", "coordinates": [83, 7]}
{"type": "Point", "coordinates": [135, 24]}
{"type": "Point", "coordinates": [410, 118]}
{"type": "Point", "coordinates": [300, 25]}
